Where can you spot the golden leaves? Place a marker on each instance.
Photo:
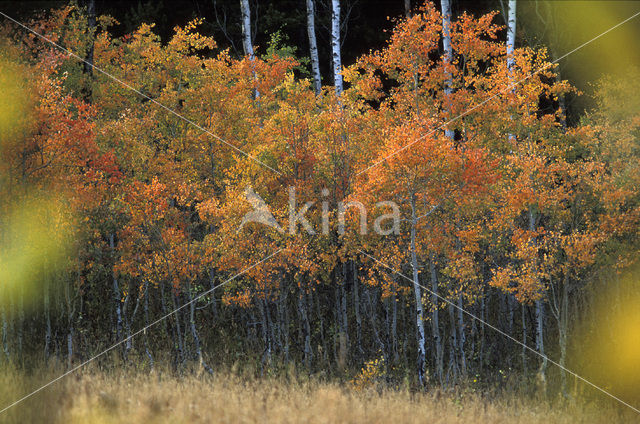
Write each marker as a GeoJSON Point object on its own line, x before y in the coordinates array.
{"type": "Point", "coordinates": [526, 205]}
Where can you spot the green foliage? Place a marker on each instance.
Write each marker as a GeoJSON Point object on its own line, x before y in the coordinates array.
{"type": "Point", "coordinates": [278, 47]}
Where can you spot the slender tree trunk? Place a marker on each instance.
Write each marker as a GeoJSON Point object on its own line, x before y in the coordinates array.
{"type": "Point", "coordinates": [194, 331]}
{"type": "Point", "coordinates": [287, 336]}
{"type": "Point", "coordinates": [356, 308]}
{"type": "Point", "coordinates": [394, 326]}
{"type": "Point", "coordinates": [511, 33]}
{"type": "Point", "coordinates": [405, 335]}
{"type": "Point", "coordinates": [274, 331]}
{"type": "Point", "coordinates": [335, 46]}
{"type": "Point", "coordinates": [524, 340]}
{"type": "Point", "coordinates": [313, 46]}
{"type": "Point", "coordinates": [511, 41]}
{"type": "Point", "coordinates": [340, 342]}
{"type": "Point", "coordinates": [302, 308]}
{"type": "Point", "coordinates": [169, 330]}
{"type": "Point", "coordinates": [212, 286]}
{"type": "Point", "coordinates": [461, 338]}
{"type": "Point", "coordinates": [283, 318]}
{"type": "Point", "coordinates": [448, 52]}
{"type": "Point", "coordinates": [539, 305]}
{"type": "Point", "coordinates": [87, 89]}
{"type": "Point", "coordinates": [417, 291]}
{"type": "Point", "coordinates": [131, 321]}
{"type": "Point", "coordinates": [70, 345]}
{"type": "Point", "coordinates": [387, 327]}
{"type": "Point", "coordinates": [562, 105]}
{"type": "Point", "coordinates": [60, 344]}
{"type": "Point", "coordinates": [116, 293]}
{"type": "Point", "coordinates": [20, 332]}
{"type": "Point", "coordinates": [542, 379]}
{"type": "Point", "coordinates": [266, 333]}
{"type": "Point", "coordinates": [91, 26]}
{"type": "Point", "coordinates": [179, 341]}
{"type": "Point", "coordinates": [371, 305]}
{"type": "Point", "coordinates": [474, 333]}
{"type": "Point", "coordinates": [11, 331]}
{"type": "Point", "coordinates": [483, 315]}
{"type": "Point", "coordinates": [453, 344]}
{"type": "Point", "coordinates": [47, 317]}
{"type": "Point", "coordinates": [247, 42]}
{"type": "Point", "coordinates": [343, 312]}
{"type": "Point", "coordinates": [435, 322]}
{"type": "Point", "coordinates": [511, 308]}
{"type": "Point", "coordinates": [563, 328]}
{"type": "Point", "coordinates": [146, 323]}
{"type": "Point", "coordinates": [324, 354]}
{"type": "Point", "coordinates": [5, 331]}
{"type": "Point", "coordinates": [407, 8]}
{"type": "Point", "coordinates": [70, 328]}
{"type": "Point", "coordinates": [128, 320]}
{"type": "Point", "coordinates": [184, 312]}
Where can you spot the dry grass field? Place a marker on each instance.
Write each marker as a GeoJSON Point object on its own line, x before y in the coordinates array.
{"type": "Point", "coordinates": [94, 397]}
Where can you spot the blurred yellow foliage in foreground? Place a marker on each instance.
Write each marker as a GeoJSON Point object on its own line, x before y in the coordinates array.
{"type": "Point", "coordinates": [34, 239]}
{"type": "Point", "coordinates": [34, 228]}
{"type": "Point", "coordinates": [611, 349]}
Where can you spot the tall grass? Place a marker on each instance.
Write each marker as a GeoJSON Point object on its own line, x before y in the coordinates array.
{"type": "Point", "coordinates": [230, 397]}
{"type": "Point", "coordinates": [48, 405]}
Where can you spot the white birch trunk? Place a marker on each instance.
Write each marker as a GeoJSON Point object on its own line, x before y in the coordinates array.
{"type": "Point", "coordinates": [511, 41]}
{"type": "Point", "coordinates": [313, 46]}
{"type": "Point", "coordinates": [246, 28]}
{"type": "Point", "coordinates": [435, 321]}
{"type": "Point", "coordinates": [335, 45]}
{"type": "Point", "coordinates": [194, 332]}
{"type": "Point", "coordinates": [511, 33]}
{"type": "Point", "coordinates": [448, 90]}
{"type": "Point", "coordinates": [246, 37]}
{"type": "Point", "coordinates": [418, 297]}
{"type": "Point", "coordinates": [448, 51]}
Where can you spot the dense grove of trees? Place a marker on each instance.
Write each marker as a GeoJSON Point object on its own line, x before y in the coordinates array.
{"type": "Point", "coordinates": [506, 212]}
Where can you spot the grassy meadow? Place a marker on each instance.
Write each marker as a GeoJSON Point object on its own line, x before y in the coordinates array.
{"type": "Point", "coordinates": [231, 397]}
